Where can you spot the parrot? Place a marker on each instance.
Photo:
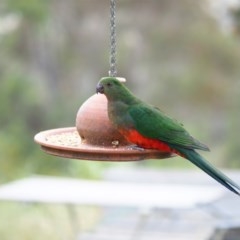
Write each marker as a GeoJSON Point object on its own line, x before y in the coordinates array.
{"type": "Point", "coordinates": [147, 127]}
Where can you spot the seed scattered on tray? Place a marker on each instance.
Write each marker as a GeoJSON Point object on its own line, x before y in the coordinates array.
{"type": "Point", "coordinates": [67, 139]}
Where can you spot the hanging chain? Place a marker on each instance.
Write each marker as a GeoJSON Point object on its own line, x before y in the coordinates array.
{"type": "Point", "coordinates": [113, 61]}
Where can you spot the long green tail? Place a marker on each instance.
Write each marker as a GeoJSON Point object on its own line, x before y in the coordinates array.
{"type": "Point", "coordinates": [208, 168]}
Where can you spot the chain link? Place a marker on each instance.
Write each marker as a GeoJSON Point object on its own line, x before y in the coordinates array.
{"type": "Point", "coordinates": [113, 61]}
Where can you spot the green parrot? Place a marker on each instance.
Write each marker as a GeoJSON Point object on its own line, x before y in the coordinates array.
{"type": "Point", "coordinates": [147, 127]}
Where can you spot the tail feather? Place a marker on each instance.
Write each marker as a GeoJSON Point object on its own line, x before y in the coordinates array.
{"type": "Point", "coordinates": [208, 168]}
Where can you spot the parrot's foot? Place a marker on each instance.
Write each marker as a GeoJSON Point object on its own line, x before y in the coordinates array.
{"type": "Point", "coordinates": [135, 147]}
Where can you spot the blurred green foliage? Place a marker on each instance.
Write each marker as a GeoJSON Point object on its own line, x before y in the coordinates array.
{"type": "Point", "coordinates": [31, 10]}
{"type": "Point", "coordinates": [58, 50]}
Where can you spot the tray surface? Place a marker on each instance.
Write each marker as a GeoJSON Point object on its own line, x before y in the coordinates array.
{"type": "Point", "coordinates": [66, 142]}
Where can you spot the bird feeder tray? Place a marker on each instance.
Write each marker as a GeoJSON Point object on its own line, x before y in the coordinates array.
{"type": "Point", "coordinates": [66, 143]}
{"type": "Point", "coordinates": [93, 138]}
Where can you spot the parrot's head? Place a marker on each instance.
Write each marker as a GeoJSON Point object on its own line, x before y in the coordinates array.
{"type": "Point", "coordinates": [112, 88]}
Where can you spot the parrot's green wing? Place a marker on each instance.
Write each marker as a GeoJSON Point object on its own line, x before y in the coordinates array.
{"type": "Point", "coordinates": [153, 123]}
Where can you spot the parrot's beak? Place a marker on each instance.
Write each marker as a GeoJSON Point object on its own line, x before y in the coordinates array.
{"type": "Point", "coordinates": [99, 88]}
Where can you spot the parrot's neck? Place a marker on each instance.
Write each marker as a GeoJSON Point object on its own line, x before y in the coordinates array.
{"type": "Point", "coordinates": [118, 113]}
{"type": "Point", "coordinates": [118, 106]}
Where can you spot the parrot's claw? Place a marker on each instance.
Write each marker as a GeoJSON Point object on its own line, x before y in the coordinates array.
{"type": "Point", "coordinates": [135, 147]}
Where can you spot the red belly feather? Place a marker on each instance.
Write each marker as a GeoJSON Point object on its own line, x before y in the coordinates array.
{"type": "Point", "coordinates": [136, 138]}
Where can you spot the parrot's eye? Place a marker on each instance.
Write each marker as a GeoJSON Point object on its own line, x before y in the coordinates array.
{"type": "Point", "coordinates": [109, 84]}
